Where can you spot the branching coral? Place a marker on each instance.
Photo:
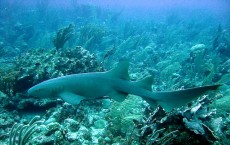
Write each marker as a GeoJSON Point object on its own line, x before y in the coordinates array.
{"type": "Point", "coordinates": [192, 122]}
{"type": "Point", "coordinates": [7, 78]}
{"type": "Point", "coordinates": [122, 114]}
{"type": "Point", "coordinates": [20, 134]}
{"type": "Point", "coordinates": [91, 35]}
{"type": "Point", "coordinates": [155, 138]}
{"type": "Point", "coordinates": [63, 35]}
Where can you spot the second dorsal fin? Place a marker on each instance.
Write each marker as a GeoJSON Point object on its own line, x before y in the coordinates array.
{"type": "Point", "coordinates": [121, 71]}
{"type": "Point", "coordinates": [145, 83]}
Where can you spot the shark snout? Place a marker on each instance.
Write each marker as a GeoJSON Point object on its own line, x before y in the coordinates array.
{"type": "Point", "coordinates": [30, 92]}
{"type": "Point", "coordinates": [35, 91]}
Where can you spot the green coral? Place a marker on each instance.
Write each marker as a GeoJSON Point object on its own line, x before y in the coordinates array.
{"type": "Point", "coordinates": [8, 78]}
{"type": "Point", "coordinates": [121, 115]}
{"type": "Point", "coordinates": [91, 35]}
{"type": "Point", "coordinates": [63, 35]}
{"type": "Point", "coordinates": [20, 134]}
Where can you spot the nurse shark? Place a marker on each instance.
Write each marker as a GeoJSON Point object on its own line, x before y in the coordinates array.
{"type": "Point", "coordinates": [115, 84]}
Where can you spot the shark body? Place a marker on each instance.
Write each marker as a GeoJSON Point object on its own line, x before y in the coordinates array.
{"type": "Point", "coordinates": [115, 84]}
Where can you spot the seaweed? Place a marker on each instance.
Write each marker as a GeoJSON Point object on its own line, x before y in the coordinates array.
{"type": "Point", "coordinates": [63, 35]}
{"type": "Point", "coordinates": [20, 134]}
{"type": "Point", "coordinates": [91, 35]}
{"type": "Point", "coordinates": [8, 79]}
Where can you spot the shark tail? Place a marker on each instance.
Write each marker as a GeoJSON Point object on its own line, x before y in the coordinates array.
{"type": "Point", "coordinates": [174, 99]}
{"type": "Point", "coordinates": [168, 100]}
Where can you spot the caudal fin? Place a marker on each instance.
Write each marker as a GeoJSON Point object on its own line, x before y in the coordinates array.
{"type": "Point", "coordinates": [175, 99]}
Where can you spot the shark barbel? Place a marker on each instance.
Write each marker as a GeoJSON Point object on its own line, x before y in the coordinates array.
{"type": "Point", "coordinates": [115, 84]}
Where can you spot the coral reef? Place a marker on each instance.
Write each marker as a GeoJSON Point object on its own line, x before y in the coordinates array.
{"type": "Point", "coordinates": [193, 122]}
{"type": "Point", "coordinates": [20, 134]}
{"type": "Point", "coordinates": [76, 125]}
{"type": "Point", "coordinates": [179, 50]}
{"type": "Point", "coordinates": [221, 42]}
{"type": "Point", "coordinates": [121, 115]}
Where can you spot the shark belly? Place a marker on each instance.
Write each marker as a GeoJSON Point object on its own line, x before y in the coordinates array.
{"type": "Point", "coordinates": [85, 86]}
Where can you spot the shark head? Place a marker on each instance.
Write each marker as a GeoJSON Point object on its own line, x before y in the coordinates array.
{"type": "Point", "coordinates": [44, 90]}
{"type": "Point", "coordinates": [39, 91]}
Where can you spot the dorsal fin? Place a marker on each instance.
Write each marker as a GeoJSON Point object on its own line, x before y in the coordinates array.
{"type": "Point", "coordinates": [121, 71]}
{"type": "Point", "coordinates": [145, 83]}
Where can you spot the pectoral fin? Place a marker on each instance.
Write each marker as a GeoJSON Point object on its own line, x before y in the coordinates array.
{"type": "Point", "coordinates": [71, 98]}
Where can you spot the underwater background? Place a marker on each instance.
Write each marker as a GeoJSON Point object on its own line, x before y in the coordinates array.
{"type": "Point", "coordinates": [181, 43]}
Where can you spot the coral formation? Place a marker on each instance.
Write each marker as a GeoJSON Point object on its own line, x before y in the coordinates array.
{"type": "Point", "coordinates": [122, 114]}
{"type": "Point", "coordinates": [20, 134]}
{"type": "Point", "coordinates": [194, 121]}
{"type": "Point", "coordinates": [91, 36]}
{"type": "Point", "coordinates": [63, 35]}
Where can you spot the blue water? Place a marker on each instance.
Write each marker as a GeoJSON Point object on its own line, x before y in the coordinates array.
{"type": "Point", "coordinates": [181, 43]}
